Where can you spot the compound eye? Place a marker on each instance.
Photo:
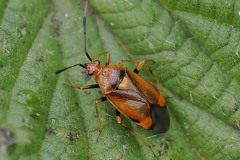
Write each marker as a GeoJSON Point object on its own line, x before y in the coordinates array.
{"type": "Point", "coordinates": [97, 61]}
{"type": "Point", "coordinates": [90, 73]}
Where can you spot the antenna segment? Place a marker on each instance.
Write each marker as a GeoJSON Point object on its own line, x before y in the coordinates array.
{"type": "Point", "coordinates": [85, 34]}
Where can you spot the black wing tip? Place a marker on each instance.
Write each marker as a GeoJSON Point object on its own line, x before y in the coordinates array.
{"type": "Point", "coordinates": [160, 118]}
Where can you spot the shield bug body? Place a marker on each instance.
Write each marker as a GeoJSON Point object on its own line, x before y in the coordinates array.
{"type": "Point", "coordinates": [130, 94]}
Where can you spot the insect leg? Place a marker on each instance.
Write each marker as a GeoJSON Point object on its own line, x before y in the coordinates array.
{"type": "Point", "coordinates": [139, 67]}
{"type": "Point", "coordinates": [141, 63]}
{"type": "Point", "coordinates": [119, 122]}
{"type": "Point", "coordinates": [100, 100]}
{"type": "Point", "coordinates": [83, 87]}
{"type": "Point", "coordinates": [100, 54]}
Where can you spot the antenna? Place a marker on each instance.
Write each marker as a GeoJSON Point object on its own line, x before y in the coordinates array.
{"type": "Point", "coordinates": [70, 67]}
{"type": "Point", "coordinates": [85, 34]}
{"type": "Point", "coordinates": [85, 44]}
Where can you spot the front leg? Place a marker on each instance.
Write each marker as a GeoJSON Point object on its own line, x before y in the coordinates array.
{"type": "Point", "coordinates": [100, 100]}
{"type": "Point", "coordinates": [100, 54]}
{"type": "Point", "coordinates": [83, 87]}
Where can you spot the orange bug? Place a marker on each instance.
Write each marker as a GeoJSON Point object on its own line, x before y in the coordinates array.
{"type": "Point", "coordinates": [130, 94]}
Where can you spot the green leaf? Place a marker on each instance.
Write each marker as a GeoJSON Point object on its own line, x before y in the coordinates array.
{"type": "Point", "coordinates": [195, 44]}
